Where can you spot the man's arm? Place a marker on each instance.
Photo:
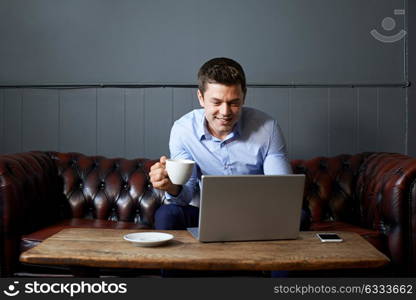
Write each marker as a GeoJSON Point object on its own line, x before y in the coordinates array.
{"type": "Point", "coordinates": [276, 161]}
{"type": "Point", "coordinates": [178, 151]}
{"type": "Point", "coordinates": [177, 194]}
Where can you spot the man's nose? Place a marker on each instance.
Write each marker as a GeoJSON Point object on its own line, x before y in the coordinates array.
{"type": "Point", "coordinates": [225, 109]}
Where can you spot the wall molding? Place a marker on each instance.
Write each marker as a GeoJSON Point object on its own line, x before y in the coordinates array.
{"type": "Point", "coordinates": [405, 84]}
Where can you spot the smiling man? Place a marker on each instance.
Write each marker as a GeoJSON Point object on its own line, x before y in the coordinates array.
{"type": "Point", "coordinates": [223, 138]}
{"type": "Point", "coordinates": [223, 105]}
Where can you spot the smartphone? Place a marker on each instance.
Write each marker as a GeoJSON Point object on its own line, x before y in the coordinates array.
{"type": "Point", "coordinates": [329, 237]}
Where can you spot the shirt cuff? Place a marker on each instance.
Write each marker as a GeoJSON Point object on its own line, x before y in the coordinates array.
{"type": "Point", "coordinates": [179, 199]}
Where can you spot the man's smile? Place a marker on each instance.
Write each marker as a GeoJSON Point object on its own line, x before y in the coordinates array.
{"type": "Point", "coordinates": [225, 121]}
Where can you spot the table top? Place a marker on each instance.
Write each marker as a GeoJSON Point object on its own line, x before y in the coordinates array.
{"type": "Point", "coordinates": [106, 248]}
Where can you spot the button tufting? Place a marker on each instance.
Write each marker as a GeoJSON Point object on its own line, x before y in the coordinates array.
{"type": "Point", "coordinates": [9, 169]}
{"type": "Point", "coordinates": [323, 165]}
{"type": "Point", "coordinates": [345, 164]}
{"type": "Point", "coordinates": [301, 169]}
{"type": "Point", "coordinates": [314, 187]}
{"type": "Point", "coordinates": [399, 171]}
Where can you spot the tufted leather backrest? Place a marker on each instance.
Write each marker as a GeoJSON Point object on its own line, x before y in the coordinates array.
{"type": "Point", "coordinates": [330, 185]}
{"type": "Point", "coordinates": [29, 200]}
{"type": "Point", "coordinates": [372, 190]}
{"type": "Point", "coordinates": [386, 189]}
{"type": "Point", "coordinates": [114, 189]}
{"type": "Point", "coordinates": [29, 190]}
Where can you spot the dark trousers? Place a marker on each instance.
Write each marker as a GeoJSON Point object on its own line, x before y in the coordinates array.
{"type": "Point", "coordinates": [176, 217]}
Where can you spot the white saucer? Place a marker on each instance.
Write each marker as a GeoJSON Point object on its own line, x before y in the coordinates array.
{"type": "Point", "coordinates": [148, 239]}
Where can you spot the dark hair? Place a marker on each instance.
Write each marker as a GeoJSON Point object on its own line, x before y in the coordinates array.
{"type": "Point", "coordinates": [221, 70]}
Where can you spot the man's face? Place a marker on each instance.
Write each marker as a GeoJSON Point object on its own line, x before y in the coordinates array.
{"type": "Point", "coordinates": [222, 104]}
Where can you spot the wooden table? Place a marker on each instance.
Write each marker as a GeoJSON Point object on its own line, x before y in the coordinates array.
{"type": "Point", "coordinates": [105, 248]}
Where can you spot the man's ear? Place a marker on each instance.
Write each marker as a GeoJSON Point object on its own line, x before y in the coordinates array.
{"type": "Point", "coordinates": [200, 98]}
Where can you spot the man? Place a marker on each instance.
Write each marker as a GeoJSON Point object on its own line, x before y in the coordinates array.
{"type": "Point", "coordinates": [223, 138]}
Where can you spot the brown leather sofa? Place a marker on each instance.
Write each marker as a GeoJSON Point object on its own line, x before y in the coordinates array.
{"type": "Point", "coordinates": [373, 194]}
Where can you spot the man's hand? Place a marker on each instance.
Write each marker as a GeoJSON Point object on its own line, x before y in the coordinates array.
{"type": "Point", "coordinates": [160, 179]}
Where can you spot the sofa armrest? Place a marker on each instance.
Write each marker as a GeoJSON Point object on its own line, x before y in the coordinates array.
{"type": "Point", "coordinates": [29, 200]}
{"type": "Point", "coordinates": [386, 189]}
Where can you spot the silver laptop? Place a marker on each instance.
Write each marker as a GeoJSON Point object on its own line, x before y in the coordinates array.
{"type": "Point", "coordinates": [249, 207]}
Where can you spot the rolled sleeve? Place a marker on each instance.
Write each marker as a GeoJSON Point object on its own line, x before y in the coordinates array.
{"type": "Point", "coordinates": [178, 151]}
{"type": "Point", "coordinates": [276, 161]}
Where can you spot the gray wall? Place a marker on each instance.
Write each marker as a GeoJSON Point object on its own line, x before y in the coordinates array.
{"type": "Point", "coordinates": [357, 104]}
{"type": "Point", "coordinates": [411, 92]}
{"type": "Point", "coordinates": [136, 122]}
{"type": "Point", "coordinates": [147, 41]}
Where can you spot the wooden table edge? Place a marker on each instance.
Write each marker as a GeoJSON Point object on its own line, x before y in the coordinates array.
{"type": "Point", "coordinates": [383, 260]}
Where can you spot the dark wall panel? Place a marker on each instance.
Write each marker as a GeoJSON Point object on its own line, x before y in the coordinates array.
{"type": "Point", "coordinates": [40, 120]}
{"type": "Point", "coordinates": [342, 121]}
{"type": "Point", "coordinates": [368, 120]}
{"type": "Point", "coordinates": [392, 120]}
{"type": "Point", "coordinates": [2, 134]}
{"type": "Point", "coordinates": [12, 121]}
{"type": "Point", "coordinates": [78, 121]}
{"type": "Point", "coordinates": [309, 130]}
{"type": "Point", "coordinates": [135, 123]}
{"type": "Point", "coordinates": [110, 122]}
{"type": "Point", "coordinates": [411, 92]}
{"type": "Point", "coordinates": [184, 100]}
{"type": "Point", "coordinates": [158, 121]}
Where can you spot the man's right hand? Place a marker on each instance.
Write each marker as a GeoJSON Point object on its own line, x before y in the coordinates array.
{"type": "Point", "coordinates": [160, 179]}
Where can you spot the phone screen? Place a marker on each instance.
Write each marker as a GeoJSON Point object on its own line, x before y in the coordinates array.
{"type": "Point", "coordinates": [329, 236]}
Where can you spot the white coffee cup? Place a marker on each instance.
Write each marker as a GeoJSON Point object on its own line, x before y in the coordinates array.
{"type": "Point", "coordinates": [179, 170]}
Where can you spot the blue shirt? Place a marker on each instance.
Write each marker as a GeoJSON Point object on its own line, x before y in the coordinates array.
{"type": "Point", "coordinates": [255, 146]}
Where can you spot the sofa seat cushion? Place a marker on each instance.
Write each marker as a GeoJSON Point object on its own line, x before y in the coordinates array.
{"type": "Point", "coordinates": [376, 238]}
{"type": "Point", "coordinates": [34, 238]}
